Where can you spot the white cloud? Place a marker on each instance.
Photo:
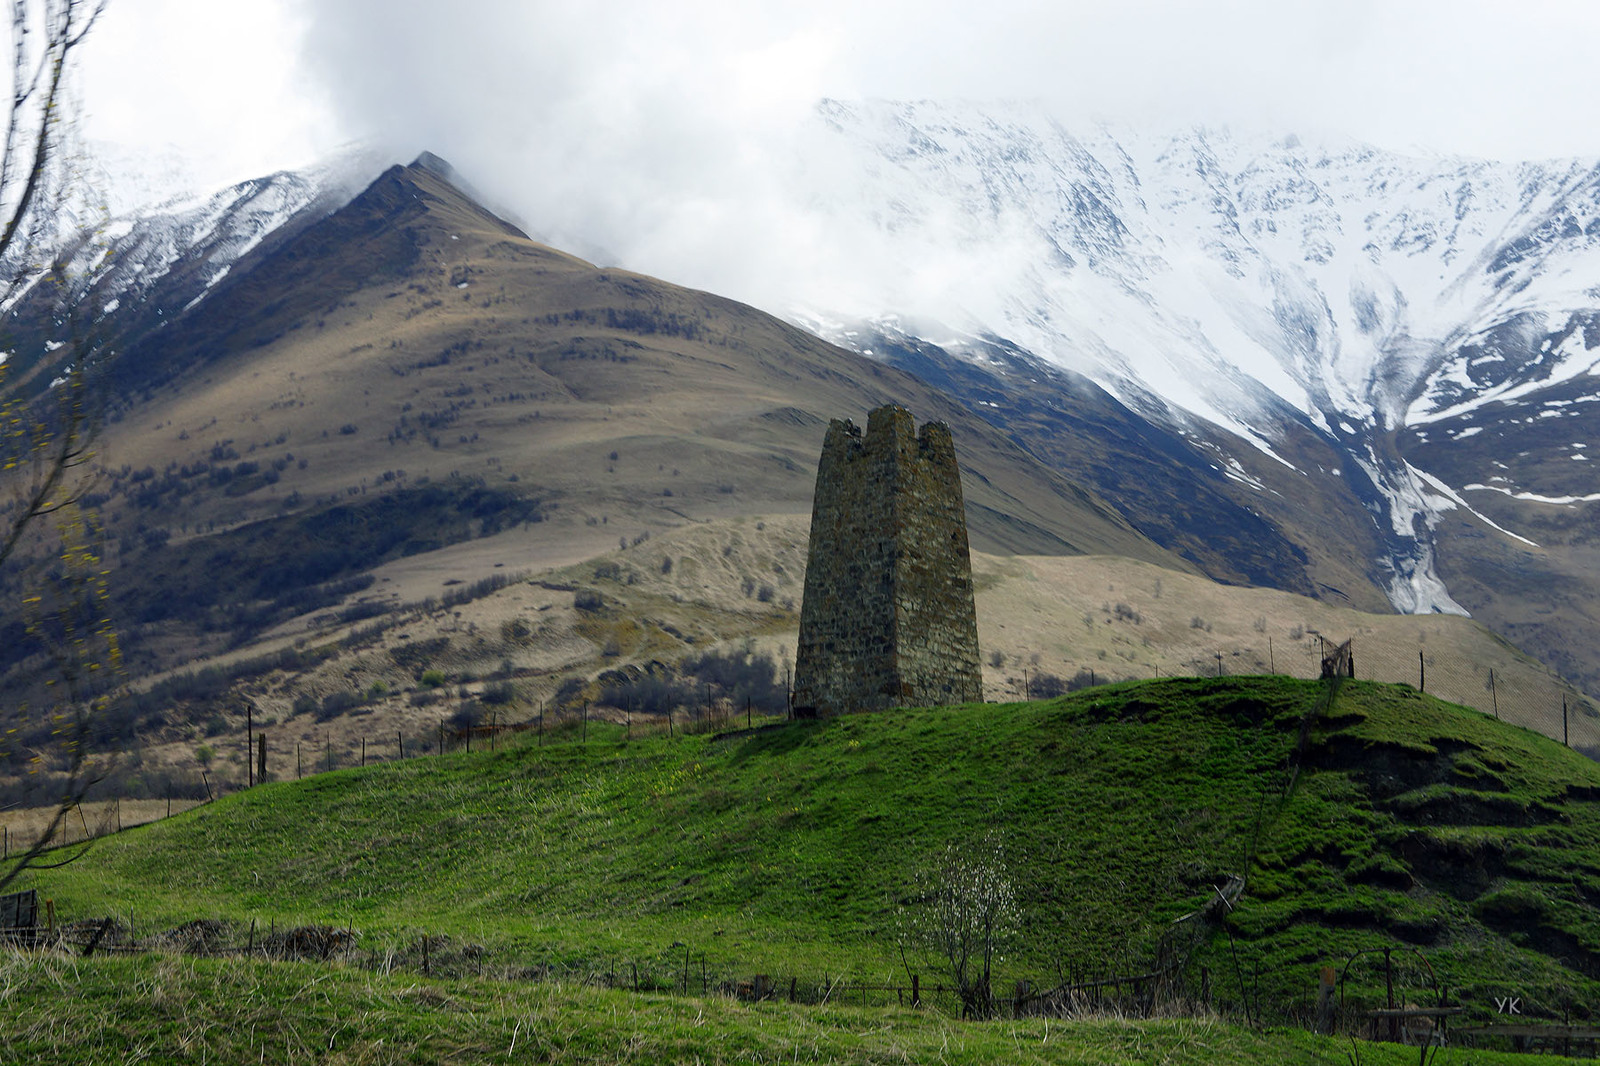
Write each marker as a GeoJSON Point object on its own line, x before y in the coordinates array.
{"type": "Point", "coordinates": [667, 135]}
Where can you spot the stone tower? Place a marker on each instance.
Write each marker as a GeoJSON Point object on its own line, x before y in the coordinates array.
{"type": "Point", "coordinates": [888, 618]}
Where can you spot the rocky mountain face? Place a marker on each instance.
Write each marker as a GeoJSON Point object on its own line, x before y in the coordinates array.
{"type": "Point", "coordinates": [291, 408]}
{"type": "Point", "coordinates": [1324, 367]}
{"type": "Point", "coordinates": [1319, 367]}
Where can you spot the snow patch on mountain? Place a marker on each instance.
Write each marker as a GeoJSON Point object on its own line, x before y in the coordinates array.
{"type": "Point", "coordinates": [1247, 282]}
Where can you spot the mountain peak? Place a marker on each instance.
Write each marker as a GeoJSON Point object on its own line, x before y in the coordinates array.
{"type": "Point", "coordinates": [437, 165]}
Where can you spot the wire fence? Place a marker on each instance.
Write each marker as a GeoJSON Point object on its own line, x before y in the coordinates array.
{"type": "Point", "coordinates": [1389, 994]}
{"type": "Point", "coordinates": [1519, 691]}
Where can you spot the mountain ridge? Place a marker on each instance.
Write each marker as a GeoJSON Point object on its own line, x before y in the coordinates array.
{"type": "Point", "coordinates": [1298, 314]}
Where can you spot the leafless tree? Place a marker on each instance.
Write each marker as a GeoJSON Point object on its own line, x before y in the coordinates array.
{"type": "Point", "coordinates": [965, 912]}
{"type": "Point", "coordinates": [45, 442]}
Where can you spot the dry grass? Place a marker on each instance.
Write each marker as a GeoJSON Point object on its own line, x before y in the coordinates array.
{"type": "Point", "coordinates": [1118, 618]}
{"type": "Point", "coordinates": [1124, 619]}
{"type": "Point", "coordinates": [95, 818]}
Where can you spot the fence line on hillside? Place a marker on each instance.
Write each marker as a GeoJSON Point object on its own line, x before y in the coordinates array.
{"type": "Point", "coordinates": [1371, 994]}
{"type": "Point", "coordinates": [1526, 695]}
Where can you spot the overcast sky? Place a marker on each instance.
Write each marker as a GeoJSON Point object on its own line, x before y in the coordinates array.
{"type": "Point", "coordinates": [604, 121]}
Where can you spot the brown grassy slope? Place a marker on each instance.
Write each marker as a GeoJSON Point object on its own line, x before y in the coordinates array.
{"type": "Point", "coordinates": [427, 339]}
{"type": "Point", "coordinates": [1037, 615]}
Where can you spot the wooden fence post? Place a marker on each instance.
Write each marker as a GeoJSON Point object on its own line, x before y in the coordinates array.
{"type": "Point", "coordinates": [261, 756]}
{"type": "Point", "coordinates": [400, 743]}
{"type": "Point", "coordinates": [916, 990]}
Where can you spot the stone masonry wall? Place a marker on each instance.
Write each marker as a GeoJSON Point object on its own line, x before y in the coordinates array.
{"type": "Point", "coordinates": [888, 617]}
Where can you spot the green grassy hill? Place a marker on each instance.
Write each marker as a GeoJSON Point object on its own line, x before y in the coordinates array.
{"type": "Point", "coordinates": [793, 849]}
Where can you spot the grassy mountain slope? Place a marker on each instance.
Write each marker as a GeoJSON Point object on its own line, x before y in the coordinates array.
{"type": "Point", "coordinates": [731, 583]}
{"type": "Point", "coordinates": [411, 374]}
{"type": "Point", "coordinates": [1413, 823]}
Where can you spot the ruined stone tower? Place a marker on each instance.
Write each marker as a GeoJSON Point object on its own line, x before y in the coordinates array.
{"type": "Point", "coordinates": [888, 618]}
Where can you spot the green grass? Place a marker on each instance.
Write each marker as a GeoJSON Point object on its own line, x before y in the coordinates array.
{"type": "Point", "coordinates": [168, 1009]}
{"type": "Point", "coordinates": [1416, 824]}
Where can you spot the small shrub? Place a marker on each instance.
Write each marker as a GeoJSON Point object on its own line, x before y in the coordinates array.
{"type": "Point", "coordinates": [348, 429]}
{"type": "Point", "coordinates": [335, 704]}
{"type": "Point", "coordinates": [1196, 622]}
{"type": "Point", "coordinates": [305, 703]}
{"type": "Point", "coordinates": [666, 564]}
{"type": "Point", "coordinates": [588, 600]}
{"type": "Point", "coordinates": [432, 679]}
{"type": "Point", "coordinates": [765, 593]}
{"type": "Point", "coordinates": [1047, 686]}
{"type": "Point", "coordinates": [499, 693]}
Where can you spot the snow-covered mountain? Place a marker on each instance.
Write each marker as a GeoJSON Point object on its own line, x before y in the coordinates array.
{"type": "Point", "coordinates": [1321, 366]}
{"type": "Point", "coordinates": [137, 243]}
{"type": "Point", "coordinates": [1268, 289]}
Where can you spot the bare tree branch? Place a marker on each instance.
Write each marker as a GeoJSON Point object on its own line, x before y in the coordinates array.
{"type": "Point", "coordinates": [41, 446]}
